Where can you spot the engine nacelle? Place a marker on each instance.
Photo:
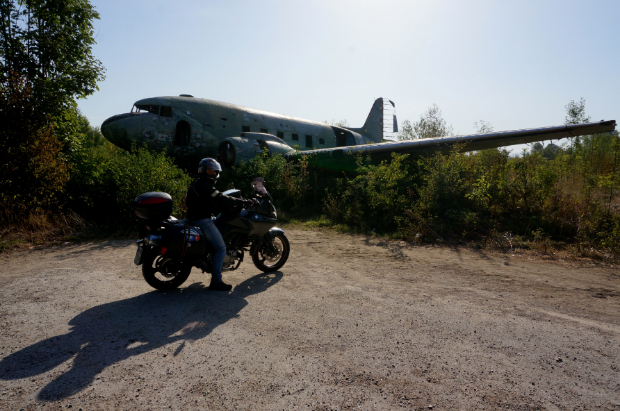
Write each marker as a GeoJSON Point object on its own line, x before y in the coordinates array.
{"type": "Point", "coordinates": [233, 150]}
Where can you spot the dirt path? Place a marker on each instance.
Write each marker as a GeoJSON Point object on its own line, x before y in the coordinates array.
{"type": "Point", "coordinates": [349, 323]}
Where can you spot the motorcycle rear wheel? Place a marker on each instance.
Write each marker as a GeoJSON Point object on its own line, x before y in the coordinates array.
{"type": "Point", "coordinates": [267, 262]}
{"type": "Point", "coordinates": [164, 273]}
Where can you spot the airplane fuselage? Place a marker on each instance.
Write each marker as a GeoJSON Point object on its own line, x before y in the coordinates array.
{"type": "Point", "coordinates": [194, 128]}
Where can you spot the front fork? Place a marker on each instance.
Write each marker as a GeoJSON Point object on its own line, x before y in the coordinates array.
{"type": "Point", "coordinates": [256, 244]}
{"type": "Point", "coordinates": [268, 241]}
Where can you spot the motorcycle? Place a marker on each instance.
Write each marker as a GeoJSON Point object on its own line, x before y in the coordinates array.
{"type": "Point", "coordinates": [169, 247]}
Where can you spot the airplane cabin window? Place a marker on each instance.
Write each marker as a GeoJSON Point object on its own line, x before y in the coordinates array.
{"type": "Point", "coordinates": [295, 137]}
{"type": "Point", "coordinates": [166, 111]}
{"type": "Point", "coordinates": [321, 141]}
{"type": "Point", "coordinates": [308, 141]}
{"type": "Point", "coordinates": [263, 130]}
{"type": "Point", "coordinates": [245, 129]}
{"type": "Point", "coordinates": [280, 134]}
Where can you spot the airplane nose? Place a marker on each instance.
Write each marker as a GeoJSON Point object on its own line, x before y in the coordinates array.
{"type": "Point", "coordinates": [114, 129]}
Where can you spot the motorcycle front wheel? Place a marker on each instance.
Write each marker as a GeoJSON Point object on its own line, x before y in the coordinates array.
{"type": "Point", "coordinates": [266, 259]}
{"type": "Point", "coordinates": [164, 273]}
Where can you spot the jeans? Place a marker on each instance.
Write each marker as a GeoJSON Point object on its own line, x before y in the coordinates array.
{"type": "Point", "coordinates": [213, 235]}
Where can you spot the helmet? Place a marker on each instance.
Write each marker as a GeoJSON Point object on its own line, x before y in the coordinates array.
{"type": "Point", "coordinates": [209, 169]}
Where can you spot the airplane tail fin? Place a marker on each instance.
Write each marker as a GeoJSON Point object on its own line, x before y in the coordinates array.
{"type": "Point", "coordinates": [379, 121]}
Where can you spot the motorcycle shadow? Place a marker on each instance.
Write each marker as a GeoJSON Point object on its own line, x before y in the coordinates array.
{"type": "Point", "coordinates": [109, 333]}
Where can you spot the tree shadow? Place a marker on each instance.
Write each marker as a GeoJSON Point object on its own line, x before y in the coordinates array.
{"type": "Point", "coordinates": [112, 332]}
{"type": "Point", "coordinates": [397, 250]}
{"type": "Point", "coordinates": [394, 248]}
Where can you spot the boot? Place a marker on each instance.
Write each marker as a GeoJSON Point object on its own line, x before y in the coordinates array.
{"type": "Point", "coordinates": [220, 286]}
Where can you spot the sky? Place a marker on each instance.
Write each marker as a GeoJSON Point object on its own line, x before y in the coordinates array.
{"type": "Point", "coordinates": [513, 64]}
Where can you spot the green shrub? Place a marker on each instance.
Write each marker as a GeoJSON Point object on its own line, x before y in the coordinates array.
{"type": "Point", "coordinates": [293, 185]}
{"type": "Point", "coordinates": [105, 180]}
{"type": "Point", "coordinates": [373, 198]}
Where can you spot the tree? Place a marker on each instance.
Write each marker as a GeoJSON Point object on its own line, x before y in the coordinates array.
{"type": "Point", "coordinates": [49, 43]}
{"type": "Point", "coordinates": [431, 124]}
{"type": "Point", "coordinates": [33, 170]}
{"type": "Point", "coordinates": [483, 127]}
{"type": "Point", "coordinates": [576, 112]}
{"type": "Point", "coordinates": [342, 123]}
{"type": "Point", "coordinates": [46, 63]}
{"type": "Point", "coordinates": [549, 152]}
{"type": "Point", "coordinates": [537, 147]}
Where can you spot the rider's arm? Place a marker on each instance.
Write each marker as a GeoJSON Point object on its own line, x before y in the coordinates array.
{"type": "Point", "coordinates": [227, 202]}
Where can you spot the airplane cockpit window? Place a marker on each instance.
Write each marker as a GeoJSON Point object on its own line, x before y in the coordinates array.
{"type": "Point", "coordinates": [145, 108]}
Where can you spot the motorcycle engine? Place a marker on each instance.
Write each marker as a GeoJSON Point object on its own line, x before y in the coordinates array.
{"type": "Point", "coordinates": [233, 259]}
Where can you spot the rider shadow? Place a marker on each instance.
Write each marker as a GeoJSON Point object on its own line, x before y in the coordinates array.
{"type": "Point", "coordinates": [112, 332]}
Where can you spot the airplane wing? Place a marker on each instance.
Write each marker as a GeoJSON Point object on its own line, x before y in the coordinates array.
{"type": "Point", "coordinates": [471, 142]}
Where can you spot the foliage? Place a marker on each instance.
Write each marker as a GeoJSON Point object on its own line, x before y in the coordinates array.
{"type": "Point", "coordinates": [372, 198]}
{"type": "Point", "coordinates": [49, 42]}
{"type": "Point", "coordinates": [293, 185]}
{"type": "Point", "coordinates": [341, 123]}
{"type": "Point", "coordinates": [550, 151]}
{"type": "Point", "coordinates": [33, 170]}
{"type": "Point", "coordinates": [105, 180]}
{"type": "Point", "coordinates": [576, 112]}
{"type": "Point", "coordinates": [45, 64]}
{"type": "Point", "coordinates": [483, 127]}
{"type": "Point", "coordinates": [430, 124]}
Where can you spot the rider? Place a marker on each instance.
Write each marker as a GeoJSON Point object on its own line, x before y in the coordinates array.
{"type": "Point", "coordinates": [203, 201]}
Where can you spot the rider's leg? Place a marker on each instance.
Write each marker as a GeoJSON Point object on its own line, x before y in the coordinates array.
{"type": "Point", "coordinates": [212, 234]}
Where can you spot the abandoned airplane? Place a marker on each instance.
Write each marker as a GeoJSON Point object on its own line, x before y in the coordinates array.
{"type": "Point", "coordinates": [190, 128]}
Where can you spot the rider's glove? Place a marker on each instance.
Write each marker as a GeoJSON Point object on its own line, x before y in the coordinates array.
{"type": "Point", "coordinates": [249, 203]}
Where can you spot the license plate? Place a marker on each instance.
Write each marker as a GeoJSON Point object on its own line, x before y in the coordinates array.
{"type": "Point", "coordinates": [138, 259]}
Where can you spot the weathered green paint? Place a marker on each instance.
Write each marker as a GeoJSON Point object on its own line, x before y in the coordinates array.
{"type": "Point", "coordinates": [233, 133]}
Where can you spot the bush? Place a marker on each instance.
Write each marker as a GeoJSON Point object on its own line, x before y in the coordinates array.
{"type": "Point", "coordinates": [105, 180]}
{"type": "Point", "coordinates": [33, 169]}
{"type": "Point", "coordinates": [373, 198]}
{"type": "Point", "coordinates": [293, 185]}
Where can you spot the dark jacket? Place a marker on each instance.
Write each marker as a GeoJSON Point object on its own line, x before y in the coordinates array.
{"type": "Point", "coordinates": [203, 200]}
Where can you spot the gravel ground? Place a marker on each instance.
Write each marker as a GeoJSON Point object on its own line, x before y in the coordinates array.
{"type": "Point", "coordinates": [348, 323]}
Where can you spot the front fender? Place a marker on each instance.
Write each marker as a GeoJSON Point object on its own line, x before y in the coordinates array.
{"type": "Point", "coordinates": [274, 231]}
